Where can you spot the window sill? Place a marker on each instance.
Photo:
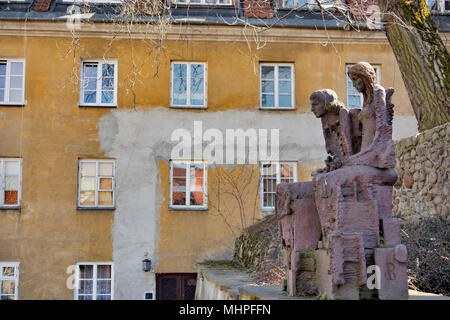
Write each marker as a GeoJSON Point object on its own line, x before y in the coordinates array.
{"type": "Point", "coordinates": [4, 104]}
{"type": "Point", "coordinates": [267, 209]}
{"type": "Point", "coordinates": [97, 106]}
{"type": "Point", "coordinates": [186, 208]}
{"type": "Point", "coordinates": [188, 107]}
{"type": "Point", "coordinates": [16, 208]}
{"type": "Point", "coordinates": [96, 208]}
{"type": "Point", "coordinates": [277, 108]}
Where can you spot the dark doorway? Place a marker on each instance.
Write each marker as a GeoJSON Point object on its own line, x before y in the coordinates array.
{"type": "Point", "coordinates": [175, 286]}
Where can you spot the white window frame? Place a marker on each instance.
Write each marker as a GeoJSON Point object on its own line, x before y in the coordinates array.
{"type": "Point", "coordinates": [276, 90]}
{"type": "Point", "coordinates": [97, 182]}
{"type": "Point", "coordinates": [278, 178]}
{"type": "Point", "coordinates": [377, 69]}
{"type": "Point", "coordinates": [94, 278]}
{"type": "Point", "coordinates": [98, 102]}
{"type": "Point", "coordinates": [441, 6]}
{"type": "Point", "coordinates": [188, 206]}
{"type": "Point", "coordinates": [2, 182]}
{"type": "Point", "coordinates": [188, 85]}
{"type": "Point", "coordinates": [8, 80]}
{"type": "Point", "coordinates": [15, 265]}
{"type": "Point", "coordinates": [204, 3]}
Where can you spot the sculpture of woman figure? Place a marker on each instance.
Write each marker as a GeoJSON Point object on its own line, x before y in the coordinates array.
{"type": "Point", "coordinates": [377, 147]}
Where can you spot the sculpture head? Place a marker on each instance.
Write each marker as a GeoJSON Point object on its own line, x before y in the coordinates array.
{"type": "Point", "coordinates": [325, 101]}
{"type": "Point", "coordinates": [364, 78]}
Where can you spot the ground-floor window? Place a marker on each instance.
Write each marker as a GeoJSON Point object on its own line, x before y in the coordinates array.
{"type": "Point", "coordinates": [273, 173]}
{"type": "Point", "coordinates": [9, 280]}
{"type": "Point", "coordinates": [94, 281]}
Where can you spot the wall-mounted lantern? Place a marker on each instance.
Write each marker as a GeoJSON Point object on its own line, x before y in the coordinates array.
{"type": "Point", "coordinates": [146, 265]}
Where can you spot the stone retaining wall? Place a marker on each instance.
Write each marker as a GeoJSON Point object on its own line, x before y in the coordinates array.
{"type": "Point", "coordinates": [422, 165]}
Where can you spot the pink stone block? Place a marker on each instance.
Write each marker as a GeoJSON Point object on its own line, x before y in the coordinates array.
{"type": "Point", "coordinates": [307, 229]}
{"type": "Point", "coordinates": [391, 231]}
{"type": "Point", "coordinates": [393, 280]}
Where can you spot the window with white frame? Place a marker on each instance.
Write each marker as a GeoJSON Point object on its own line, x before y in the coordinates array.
{"type": "Point", "coordinates": [94, 281]}
{"type": "Point", "coordinates": [12, 81]}
{"type": "Point", "coordinates": [9, 280]}
{"type": "Point", "coordinates": [273, 173]}
{"type": "Point", "coordinates": [310, 4]}
{"type": "Point", "coordinates": [10, 182]}
{"type": "Point", "coordinates": [277, 86]}
{"type": "Point", "coordinates": [98, 83]}
{"type": "Point", "coordinates": [188, 184]}
{"type": "Point", "coordinates": [204, 2]}
{"type": "Point", "coordinates": [188, 84]}
{"type": "Point", "coordinates": [96, 183]}
{"type": "Point", "coordinates": [355, 98]}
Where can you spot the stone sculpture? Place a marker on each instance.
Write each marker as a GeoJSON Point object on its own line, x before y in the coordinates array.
{"type": "Point", "coordinates": [337, 225]}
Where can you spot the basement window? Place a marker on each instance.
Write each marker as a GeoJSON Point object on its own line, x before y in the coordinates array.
{"type": "Point", "coordinates": [276, 86]}
{"type": "Point", "coordinates": [188, 185]}
{"type": "Point", "coordinates": [94, 281]}
{"type": "Point", "coordinates": [273, 173]}
{"type": "Point", "coordinates": [12, 81]}
{"type": "Point", "coordinates": [354, 98]}
{"type": "Point", "coordinates": [9, 280]}
{"type": "Point", "coordinates": [96, 184]}
{"type": "Point", "coordinates": [10, 183]}
{"type": "Point", "coordinates": [188, 85]}
{"type": "Point", "coordinates": [98, 83]}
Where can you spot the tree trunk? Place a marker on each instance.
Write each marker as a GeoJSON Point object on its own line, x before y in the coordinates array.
{"type": "Point", "coordinates": [423, 59]}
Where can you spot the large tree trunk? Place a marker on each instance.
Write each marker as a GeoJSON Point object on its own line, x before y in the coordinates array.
{"type": "Point", "coordinates": [423, 59]}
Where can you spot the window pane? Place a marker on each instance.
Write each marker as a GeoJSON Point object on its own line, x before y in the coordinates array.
{"type": "Point", "coordinates": [12, 197]}
{"type": "Point", "coordinates": [105, 198]}
{"type": "Point", "coordinates": [105, 183]}
{"type": "Point", "coordinates": [88, 169]}
{"type": "Point", "coordinates": [267, 72]}
{"type": "Point", "coordinates": [87, 198]}
{"type": "Point", "coordinates": [179, 91]}
{"type": "Point", "coordinates": [104, 271]}
{"type": "Point", "coordinates": [12, 167]}
{"type": "Point", "coordinates": [354, 101]}
{"type": "Point", "coordinates": [105, 168]}
{"type": "Point", "coordinates": [90, 70]}
{"type": "Point", "coordinates": [268, 100]}
{"type": "Point", "coordinates": [8, 286]}
{"type": "Point", "coordinates": [286, 170]}
{"type": "Point", "coordinates": [107, 71]}
{"type": "Point", "coordinates": [2, 95]}
{"type": "Point", "coordinates": [86, 271]}
{"type": "Point", "coordinates": [179, 70]}
{"type": "Point", "coordinates": [16, 82]}
{"type": "Point", "coordinates": [285, 100]}
{"type": "Point", "coordinates": [17, 68]}
{"type": "Point", "coordinates": [103, 286]}
{"type": "Point", "coordinates": [85, 297]}
{"type": "Point", "coordinates": [90, 97]}
{"type": "Point", "coordinates": [12, 183]}
{"type": "Point", "coordinates": [90, 84]}
{"type": "Point", "coordinates": [267, 86]}
{"type": "Point", "coordinates": [284, 72]}
{"type": "Point", "coordinates": [2, 82]}
{"type": "Point", "coordinates": [2, 68]}
{"type": "Point", "coordinates": [15, 95]}
{"type": "Point", "coordinates": [85, 286]}
{"type": "Point", "coordinates": [196, 187]}
{"type": "Point", "coordinates": [178, 183]}
{"type": "Point", "coordinates": [87, 184]}
{"type": "Point", "coordinates": [284, 86]}
{"type": "Point", "coordinates": [197, 91]}
{"type": "Point", "coordinates": [8, 271]}
{"type": "Point", "coordinates": [107, 96]}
